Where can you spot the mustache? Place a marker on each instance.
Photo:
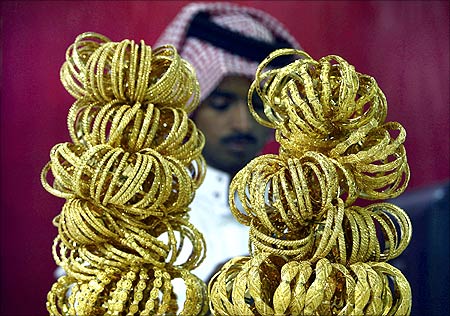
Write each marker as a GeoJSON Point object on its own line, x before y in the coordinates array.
{"type": "Point", "coordinates": [239, 137]}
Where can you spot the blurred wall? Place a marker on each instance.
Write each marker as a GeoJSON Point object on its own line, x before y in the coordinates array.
{"type": "Point", "coordinates": [403, 44]}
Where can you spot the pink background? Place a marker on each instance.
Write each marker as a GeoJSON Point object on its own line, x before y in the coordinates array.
{"type": "Point", "coordinates": [403, 44]}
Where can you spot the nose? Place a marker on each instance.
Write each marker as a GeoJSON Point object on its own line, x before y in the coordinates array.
{"type": "Point", "coordinates": [240, 117]}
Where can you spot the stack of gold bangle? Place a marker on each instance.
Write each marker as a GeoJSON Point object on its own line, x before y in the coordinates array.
{"type": "Point", "coordinates": [128, 176]}
{"type": "Point", "coordinates": [313, 251]}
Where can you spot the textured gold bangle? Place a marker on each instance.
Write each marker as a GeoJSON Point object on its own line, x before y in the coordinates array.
{"type": "Point", "coordinates": [300, 287]}
{"type": "Point", "coordinates": [104, 71]}
{"type": "Point", "coordinates": [113, 176]}
{"type": "Point", "coordinates": [128, 176]}
{"type": "Point", "coordinates": [135, 128]}
{"type": "Point", "coordinates": [312, 251]}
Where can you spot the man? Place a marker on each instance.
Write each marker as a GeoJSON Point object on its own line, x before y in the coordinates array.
{"type": "Point", "coordinates": [224, 42]}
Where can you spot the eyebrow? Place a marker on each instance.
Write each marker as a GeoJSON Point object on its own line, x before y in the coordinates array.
{"type": "Point", "coordinates": [227, 94]}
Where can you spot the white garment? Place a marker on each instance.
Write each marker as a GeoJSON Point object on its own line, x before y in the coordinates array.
{"type": "Point", "coordinates": [210, 213]}
{"type": "Point", "coordinates": [225, 237]}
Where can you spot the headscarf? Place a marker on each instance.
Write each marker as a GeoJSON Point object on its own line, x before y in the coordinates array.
{"type": "Point", "coordinates": [221, 39]}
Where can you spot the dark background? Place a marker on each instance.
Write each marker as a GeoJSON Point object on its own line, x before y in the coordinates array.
{"type": "Point", "coordinates": [403, 44]}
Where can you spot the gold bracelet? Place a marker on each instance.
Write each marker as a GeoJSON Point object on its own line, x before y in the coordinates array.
{"type": "Point", "coordinates": [335, 148]}
{"type": "Point", "coordinates": [128, 176]}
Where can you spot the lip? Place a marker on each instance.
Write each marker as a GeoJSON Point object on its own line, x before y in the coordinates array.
{"type": "Point", "coordinates": [238, 146]}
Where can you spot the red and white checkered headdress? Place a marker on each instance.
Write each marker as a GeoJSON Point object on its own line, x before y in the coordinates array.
{"type": "Point", "coordinates": [221, 39]}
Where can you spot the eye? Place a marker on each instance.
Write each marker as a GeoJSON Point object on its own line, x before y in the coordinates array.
{"type": "Point", "coordinates": [220, 101]}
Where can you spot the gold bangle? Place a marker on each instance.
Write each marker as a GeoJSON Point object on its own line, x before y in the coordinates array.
{"type": "Point", "coordinates": [128, 177]}
{"type": "Point", "coordinates": [335, 148]}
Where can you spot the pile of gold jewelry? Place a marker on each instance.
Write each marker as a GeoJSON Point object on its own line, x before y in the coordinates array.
{"type": "Point", "coordinates": [128, 176]}
{"type": "Point", "coordinates": [312, 250]}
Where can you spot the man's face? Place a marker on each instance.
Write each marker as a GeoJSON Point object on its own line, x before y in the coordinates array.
{"type": "Point", "coordinates": [233, 137]}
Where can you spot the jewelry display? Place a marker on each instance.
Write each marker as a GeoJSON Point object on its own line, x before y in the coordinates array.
{"type": "Point", "coordinates": [313, 250]}
{"type": "Point", "coordinates": [127, 176]}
